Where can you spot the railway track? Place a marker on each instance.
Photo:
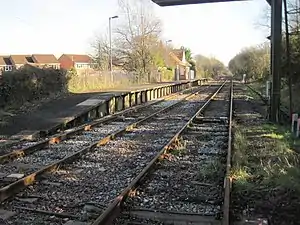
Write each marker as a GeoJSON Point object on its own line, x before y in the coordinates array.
{"type": "Point", "coordinates": [187, 187]}
{"type": "Point", "coordinates": [47, 155]}
{"type": "Point", "coordinates": [73, 189]}
{"type": "Point", "coordinates": [18, 146]}
{"type": "Point", "coordinates": [27, 147]}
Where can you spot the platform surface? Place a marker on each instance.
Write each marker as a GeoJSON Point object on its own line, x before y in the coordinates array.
{"type": "Point", "coordinates": [60, 110]}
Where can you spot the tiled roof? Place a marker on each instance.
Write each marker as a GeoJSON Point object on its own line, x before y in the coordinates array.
{"type": "Point", "coordinates": [4, 60]}
{"type": "Point", "coordinates": [19, 59]}
{"type": "Point", "coordinates": [79, 58]}
{"type": "Point", "coordinates": [178, 53]}
{"type": "Point", "coordinates": [44, 59]}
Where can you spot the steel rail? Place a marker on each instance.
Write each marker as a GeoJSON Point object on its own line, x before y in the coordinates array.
{"type": "Point", "coordinates": [114, 208]}
{"type": "Point", "coordinates": [265, 101]}
{"type": "Point", "coordinates": [13, 188]}
{"type": "Point", "coordinates": [85, 127]}
{"type": "Point", "coordinates": [227, 179]}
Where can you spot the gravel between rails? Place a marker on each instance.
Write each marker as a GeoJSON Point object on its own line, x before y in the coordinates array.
{"type": "Point", "coordinates": [191, 179]}
{"type": "Point", "coordinates": [91, 183]}
{"type": "Point", "coordinates": [30, 163]}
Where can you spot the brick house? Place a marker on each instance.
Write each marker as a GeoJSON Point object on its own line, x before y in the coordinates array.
{"type": "Point", "coordinates": [182, 69]}
{"type": "Point", "coordinates": [37, 60]}
{"type": "Point", "coordinates": [43, 60]}
{"type": "Point", "coordinates": [81, 63]}
{"type": "Point", "coordinates": [20, 60]}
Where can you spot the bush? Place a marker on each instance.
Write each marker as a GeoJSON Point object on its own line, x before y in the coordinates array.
{"type": "Point", "coordinates": [30, 83]}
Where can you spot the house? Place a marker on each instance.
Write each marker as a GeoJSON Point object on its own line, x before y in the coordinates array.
{"type": "Point", "coordinates": [20, 60]}
{"type": "Point", "coordinates": [37, 60]}
{"type": "Point", "coordinates": [182, 70]}
{"type": "Point", "coordinates": [79, 62]}
{"type": "Point", "coordinates": [5, 64]}
{"type": "Point", "coordinates": [45, 60]}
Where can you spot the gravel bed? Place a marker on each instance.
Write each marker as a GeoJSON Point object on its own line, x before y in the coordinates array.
{"type": "Point", "coordinates": [135, 220]}
{"type": "Point", "coordinates": [219, 104]}
{"type": "Point", "coordinates": [191, 179]}
{"type": "Point", "coordinates": [85, 187]}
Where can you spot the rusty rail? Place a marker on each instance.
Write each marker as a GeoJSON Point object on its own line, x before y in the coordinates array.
{"type": "Point", "coordinates": [19, 185]}
{"type": "Point", "coordinates": [227, 179]}
{"type": "Point", "coordinates": [114, 208]}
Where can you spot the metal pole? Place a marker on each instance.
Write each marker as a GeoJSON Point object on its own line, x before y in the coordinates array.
{"type": "Point", "coordinates": [288, 57]}
{"type": "Point", "coordinates": [276, 11]}
{"type": "Point", "coordinates": [110, 52]}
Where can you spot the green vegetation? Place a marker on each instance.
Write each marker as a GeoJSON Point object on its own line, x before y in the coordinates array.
{"type": "Point", "coordinates": [31, 83]}
{"type": "Point", "coordinates": [179, 147]}
{"type": "Point", "coordinates": [252, 61]}
{"type": "Point", "coordinates": [209, 67]}
{"type": "Point", "coordinates": [255, 61]}
{"type": "Point", "coordinates": [211, 169]}
{"type": "Point", "coordinates": [265, 172]}
{"type": "Point", "coordinates": [93, 82]}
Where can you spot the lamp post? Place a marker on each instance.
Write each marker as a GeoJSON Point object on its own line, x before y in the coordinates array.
{"type": "Point", "coordinates": [110, 48]}
{"type": "Point", "coordinates": [168, 41]}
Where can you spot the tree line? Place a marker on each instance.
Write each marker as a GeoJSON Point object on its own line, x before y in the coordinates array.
{"type": "Point", "coordinates": [255, 61]}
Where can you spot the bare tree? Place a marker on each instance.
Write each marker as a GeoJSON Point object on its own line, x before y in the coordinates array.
{"type": "Point", "coordinates": [101, 53]}
{"type": "Point", "coordinates": [136, 37]}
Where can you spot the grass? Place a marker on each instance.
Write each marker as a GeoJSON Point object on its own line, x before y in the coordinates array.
{"type": "Point", "coordinates": [81, 84]}
{"type": "Point", "coordinates": [211, 170]}
{"type": "Point", "coordinates": [258, 86]}
{"type": "Point", "coordinates": [179, 147]}
{"type": "Point", "coordinates": [265, 172]}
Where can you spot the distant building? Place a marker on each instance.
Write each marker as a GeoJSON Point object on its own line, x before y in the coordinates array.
{"type": "Point", "coordinates": [79, 62]}
{"type": "Point", "coordinates": [11, 62]}
{"type": "Point", "coordinates": [20, 60]}
{"type": "Point", "coordinates": [46, 61]}
{"type": "Point", "coordinates": [182, 66]}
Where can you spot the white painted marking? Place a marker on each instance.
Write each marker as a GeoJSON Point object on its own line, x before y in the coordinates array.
{"type": "Point", "coordinates": [294, 119]}
{"type": "Point", "coordinates": [298, 128]}
{"type": "Point", "coordinates": [90, 102]}
{"type": "Point", "coordinates": [16, 175]}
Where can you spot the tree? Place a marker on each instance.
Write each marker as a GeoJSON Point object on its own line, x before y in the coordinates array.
{"type": "Point", "coordinates": [137, 37]}
{"type": "Point", "coordinates": [101, 53]}
{"type": "Point", "coordinates": [188, 54]}
{"type": "Point", "coordinates": [252, 61]}
{"type": "Point", "coordinates": [209, 67]}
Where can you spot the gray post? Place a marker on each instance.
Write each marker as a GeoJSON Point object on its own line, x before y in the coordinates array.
{"type": "Point", "coordinates": [110, 49]}
{"type": "Point", "coordinates": [268, 88]}
{"type": "Point", "coordinates": [177, 73]}
{"type": "Point", "coordinates": [276, 31]}
{"type": "Point", "coordinates": [110, 52]}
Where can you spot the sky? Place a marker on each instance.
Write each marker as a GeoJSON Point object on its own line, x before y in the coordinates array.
{"type": "Point", "coordinates": [70, 26]}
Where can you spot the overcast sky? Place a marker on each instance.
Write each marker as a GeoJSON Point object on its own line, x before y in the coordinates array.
{"type": "Point", "coordinates": [68, 26]}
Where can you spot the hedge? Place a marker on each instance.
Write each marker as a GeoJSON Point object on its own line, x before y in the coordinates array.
{"type": "Point", "coordinates": [30, 83]}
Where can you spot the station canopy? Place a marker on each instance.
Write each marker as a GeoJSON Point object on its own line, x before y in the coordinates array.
{"type": "Point", "coordinates": [187, 2]}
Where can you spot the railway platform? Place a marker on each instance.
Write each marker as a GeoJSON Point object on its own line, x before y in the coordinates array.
{"type": "Point", "coordinates": [66, 112]}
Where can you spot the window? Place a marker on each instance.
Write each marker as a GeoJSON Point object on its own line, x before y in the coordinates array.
{"type": "Point", "coordinates": [29, 59]}
{"type": "Point", "coordinates": [8, 68]}
{"type": "Point", "coordinates": [82, 65]}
